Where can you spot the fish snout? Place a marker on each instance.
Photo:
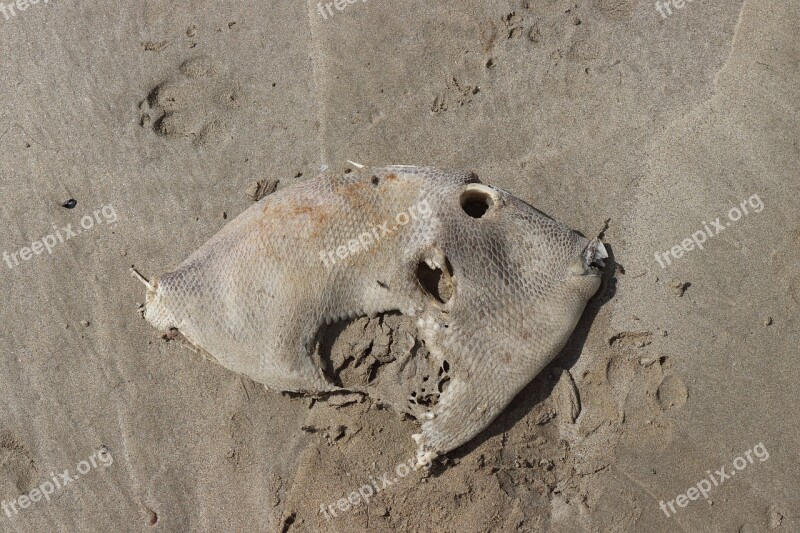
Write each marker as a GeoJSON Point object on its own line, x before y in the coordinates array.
{"type": "Point", "coordinates": [590, 260]}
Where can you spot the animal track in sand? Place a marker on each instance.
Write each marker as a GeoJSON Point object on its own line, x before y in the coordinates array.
{"type": "Point", "coordinates": [194, 103]}
{"type": "Point", "coordinates": [554, 33]}
{"type": "Point", "coordinates": [454, 94]}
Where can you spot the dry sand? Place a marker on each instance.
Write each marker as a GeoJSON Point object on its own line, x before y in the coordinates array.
{"type": "Point", "coordinates": [161, 116]}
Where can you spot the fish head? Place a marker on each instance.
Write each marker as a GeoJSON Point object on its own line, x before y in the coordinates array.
{"type": "Point", "coordinates": [521, 281]}
{"type": "Point", "coordinates": [507, 249]}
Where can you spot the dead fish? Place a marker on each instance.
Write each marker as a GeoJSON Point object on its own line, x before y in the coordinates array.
{"type": "Point", "coordinates": [496, 287]}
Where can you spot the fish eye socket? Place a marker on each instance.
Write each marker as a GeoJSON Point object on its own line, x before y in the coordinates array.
{"type": "Point", "coordinates": [477, 199]}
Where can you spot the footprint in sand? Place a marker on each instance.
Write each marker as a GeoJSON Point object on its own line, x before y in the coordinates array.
{"type": "Point", "coordinates": [671, 392]}
{"type": "Point", "coordinates": [616, 9]}
{"type": "Point", "coordinates": [194, 103]}
{"type": "Point", "coordinates": [786, 266]}
{"type": "Point", "coordinates": [18, 471]}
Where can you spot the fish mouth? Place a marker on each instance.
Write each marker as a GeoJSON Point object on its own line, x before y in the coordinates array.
{"type": "Point", "coordinates": [590, 262]}
{"type": "Point", "coordinates": [593, 256]}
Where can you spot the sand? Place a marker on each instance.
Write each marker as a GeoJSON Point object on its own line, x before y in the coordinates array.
{"type": "Point", "coordinates": [158, 119]}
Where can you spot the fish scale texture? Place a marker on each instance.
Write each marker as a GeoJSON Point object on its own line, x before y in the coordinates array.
{"type": "Point", "coordinates": [255, 296]}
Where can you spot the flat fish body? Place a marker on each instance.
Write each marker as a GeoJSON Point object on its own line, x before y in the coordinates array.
{"type": "Point", "coordinates": [256, 295]}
